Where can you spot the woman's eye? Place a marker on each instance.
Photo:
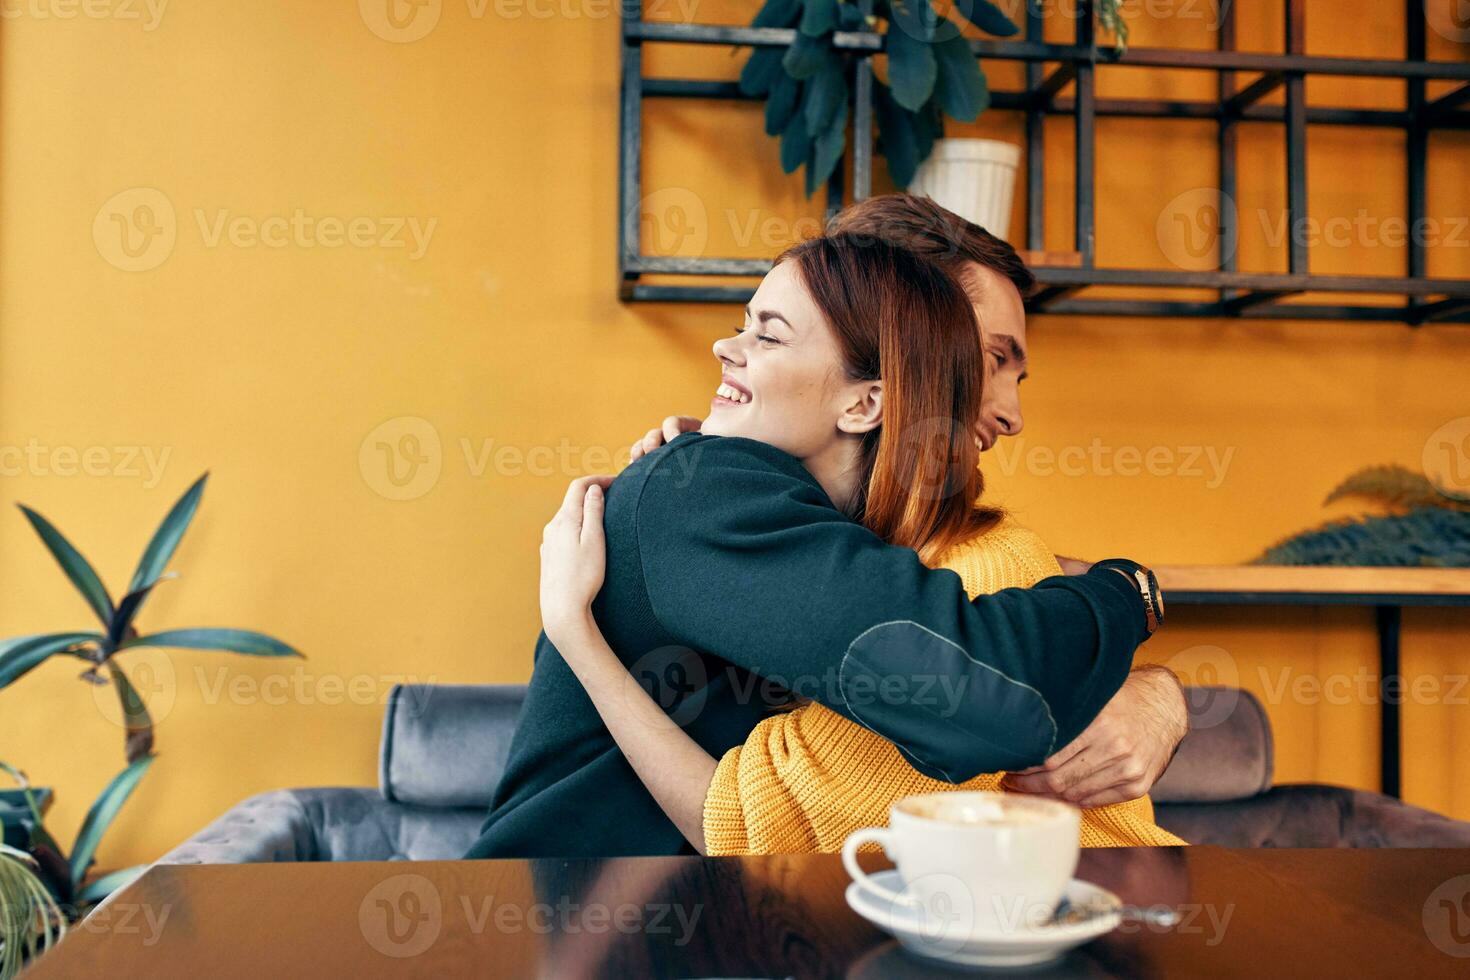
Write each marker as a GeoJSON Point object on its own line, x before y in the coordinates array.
{"type": "Point", "coordinates": [766, 338]}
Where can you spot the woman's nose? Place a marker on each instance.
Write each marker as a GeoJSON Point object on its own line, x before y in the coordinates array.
{"type": "Point", "coordinates": [728, 351]}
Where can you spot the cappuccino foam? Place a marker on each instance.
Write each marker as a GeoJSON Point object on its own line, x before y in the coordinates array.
{"type": "Point", "coordinates": [981, 809]}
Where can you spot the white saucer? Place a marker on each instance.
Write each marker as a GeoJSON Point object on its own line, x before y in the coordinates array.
{"type": "Point", "coordinates": [948, 942]}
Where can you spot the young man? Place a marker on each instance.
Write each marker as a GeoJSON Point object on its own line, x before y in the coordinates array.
{"type": "Point", "coordinates": [1128, 745]}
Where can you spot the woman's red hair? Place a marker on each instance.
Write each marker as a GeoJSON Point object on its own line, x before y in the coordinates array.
{"type": "Point", "coordinates": [900, 318]}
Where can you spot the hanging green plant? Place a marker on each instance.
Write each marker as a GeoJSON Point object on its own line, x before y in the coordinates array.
{"type": "Point", "coordinates": [932, 73]}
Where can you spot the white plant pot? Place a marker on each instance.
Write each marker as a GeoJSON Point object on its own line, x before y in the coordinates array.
{"type": "Point", "coordinates": [976, 179]}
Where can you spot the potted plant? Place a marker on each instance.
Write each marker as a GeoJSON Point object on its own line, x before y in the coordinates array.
{"type": "Point", "coordinates": [30, 920]}
{"type": "Point", "coordinates": [65, 874]}
{"type": "Point", "coordinates": [931, 73]}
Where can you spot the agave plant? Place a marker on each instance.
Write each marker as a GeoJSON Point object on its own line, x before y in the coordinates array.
{"type": "Point", "coordinates": [30, 919]}
{"type": "Point", "coordinates": [931, 73]}
{"type": "Point", "coordinates": [98, 649]}
{"type": "Point", "coordinates": [65, 874]}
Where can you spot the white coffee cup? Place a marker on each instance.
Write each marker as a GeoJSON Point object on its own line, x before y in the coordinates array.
{"type": "Point", "coordinates": [975, 862]}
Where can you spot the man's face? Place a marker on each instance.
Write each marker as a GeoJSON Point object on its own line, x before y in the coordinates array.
{"type": "Point", "coordinates": [1002, 318]}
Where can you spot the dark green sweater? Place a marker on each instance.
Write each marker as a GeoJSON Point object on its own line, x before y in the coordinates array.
{"type": "Point", "coordinates": [726, 560]}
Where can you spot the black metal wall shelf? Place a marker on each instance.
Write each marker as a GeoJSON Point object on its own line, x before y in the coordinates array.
{"type": "Point", "coordinates": [1244, 295]}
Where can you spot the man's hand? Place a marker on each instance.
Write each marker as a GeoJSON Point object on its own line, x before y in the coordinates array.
{"type": "Point", "coordinates": [1123, 752]}
{"type": "Point", "coordinates": [672, 427]}
{"type": "Point", "coordinates": [1073, 566]}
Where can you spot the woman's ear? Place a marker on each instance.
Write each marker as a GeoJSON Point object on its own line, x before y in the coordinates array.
{"type": "Point", "coordinates": [865, 412]}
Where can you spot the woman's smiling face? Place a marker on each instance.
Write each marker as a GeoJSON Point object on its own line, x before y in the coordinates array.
{"type": "Point", "coordinates": [783, 380]}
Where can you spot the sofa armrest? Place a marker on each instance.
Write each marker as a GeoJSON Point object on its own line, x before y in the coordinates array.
{"type": "Point", "coordinates": [272, 826]}
{"type": "Point", "coordinates": [1227, 754]}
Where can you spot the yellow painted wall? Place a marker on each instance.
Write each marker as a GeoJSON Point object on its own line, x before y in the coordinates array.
{"type": "Point", "coordinates": [273, 367]}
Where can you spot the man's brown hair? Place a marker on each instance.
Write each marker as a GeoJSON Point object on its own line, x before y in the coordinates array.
{"type": "Point", "coordinates": [937, 234]}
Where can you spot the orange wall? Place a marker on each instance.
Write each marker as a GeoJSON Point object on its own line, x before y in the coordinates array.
{"type": "Point", "coordinates": [273, 367]}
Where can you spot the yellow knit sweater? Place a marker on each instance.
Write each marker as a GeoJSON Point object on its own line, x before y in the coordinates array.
{"type": "Point", "coordinates": [806, 779]}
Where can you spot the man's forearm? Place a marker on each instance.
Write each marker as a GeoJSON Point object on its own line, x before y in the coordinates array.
{"type": "Point", "coordinates": [749, 561]}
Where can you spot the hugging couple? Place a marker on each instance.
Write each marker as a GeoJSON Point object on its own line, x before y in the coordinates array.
{"type": "Point", "coordinates": [762, 634]}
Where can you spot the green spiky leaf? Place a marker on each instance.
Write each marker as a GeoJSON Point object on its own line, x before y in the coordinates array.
{"type": "Point", "coordinates": [96, 891]}
{"type": "Point", "coordinates": [137, 723]}
{"type": "Point", "coordinates": [77, 569]}
{"type": "Point", "coordinates": [166, 539]}
{"type": "Point", "coordinates": [231, 641]}
{"type": "Point", "coordinates": [104, 810]}
{"type": "Point", "coordinates": [24, 653]}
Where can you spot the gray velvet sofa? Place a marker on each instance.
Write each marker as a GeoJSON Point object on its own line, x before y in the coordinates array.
{"type": "Point", "coordinates": [444, 748]}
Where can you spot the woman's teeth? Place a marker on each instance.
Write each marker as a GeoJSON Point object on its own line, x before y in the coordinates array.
{"type": "Point", "coordinates": [733, 394]}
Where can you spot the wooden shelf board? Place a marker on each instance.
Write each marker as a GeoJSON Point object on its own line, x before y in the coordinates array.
{"type": "Point", "coordinates": [1315, 580]}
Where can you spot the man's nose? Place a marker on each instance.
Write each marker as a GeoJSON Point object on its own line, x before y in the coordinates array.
{"type": "Point", "coordinates": [1009, 421]}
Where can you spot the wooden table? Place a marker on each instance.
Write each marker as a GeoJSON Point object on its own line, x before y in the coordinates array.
{"type": "Point", "coordinates": [1386, 590]}
{"type": "Point", "coordinates": [1245, 913]}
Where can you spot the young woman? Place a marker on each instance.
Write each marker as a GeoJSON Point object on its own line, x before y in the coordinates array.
{"type": "Point", "coordinates": [874, 412]}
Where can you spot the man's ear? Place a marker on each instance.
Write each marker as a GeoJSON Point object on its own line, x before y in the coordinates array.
{"type": "Point", "coordinates": [865, 412]}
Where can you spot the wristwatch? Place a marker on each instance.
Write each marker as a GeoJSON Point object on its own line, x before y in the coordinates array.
{"type": "Point", "coordinates": [1147, 584]}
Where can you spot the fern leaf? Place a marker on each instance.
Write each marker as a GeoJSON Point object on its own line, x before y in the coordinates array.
{"type": "Point", "coordinates": [1396, 486]}
{"type": "Point", "coordinates": [1433, 536]}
